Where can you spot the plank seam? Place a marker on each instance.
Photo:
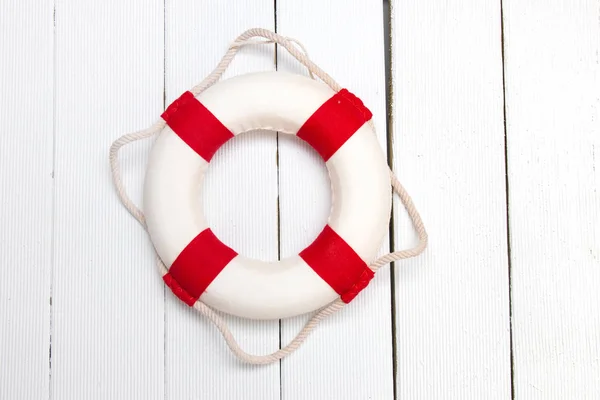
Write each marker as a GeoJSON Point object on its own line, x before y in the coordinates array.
{"type": "Point", "coordinates": [389, 96]}
{"type": "Point", "coordinates": [165, 375]}
{"type": "Point", "coordinates": [52, 201]}
{"type": "Point", "coordinates": [279, 325]}
{"type": "Point", "coordinates": [506, 186]}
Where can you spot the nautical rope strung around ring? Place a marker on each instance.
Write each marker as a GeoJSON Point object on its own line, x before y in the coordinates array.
{"type": "Point", "coordinates": [208, 312]}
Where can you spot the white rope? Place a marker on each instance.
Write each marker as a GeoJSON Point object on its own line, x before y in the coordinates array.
{"type": "Point", "coordinates": [211, 79]}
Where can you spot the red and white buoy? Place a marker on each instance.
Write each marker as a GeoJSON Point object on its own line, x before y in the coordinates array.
{"type": "Point", "coordinates": [335, 265]}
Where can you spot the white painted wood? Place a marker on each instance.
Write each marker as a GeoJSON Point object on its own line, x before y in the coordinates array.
{"type": "Point", "coordinates": [349, 356]}
{"type": "Point", "coordinates": [240, 203]}
{"type": "Point", "coordinates": [108, 301]}
{"type": "Point", "coordinates": [452, 303]}
{"type": "Point", "coordinates": [553, 131]}
{"type": "Point", "coordinates": [113, 336]}
{"type": "Point", "coordinates": [26, 104]}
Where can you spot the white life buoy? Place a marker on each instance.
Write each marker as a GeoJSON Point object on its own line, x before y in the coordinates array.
{"type": "Point", "coordinates": [335, 264]}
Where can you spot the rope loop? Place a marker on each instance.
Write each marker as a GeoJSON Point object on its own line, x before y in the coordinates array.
{"type": "Point", "coordinates": [245, 39]}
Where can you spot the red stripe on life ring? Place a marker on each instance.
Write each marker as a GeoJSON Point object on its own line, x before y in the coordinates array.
{"type": "Point", "coordinates": [334, 123]}
{"type": "Point", "coordinates": [196, 125]}
{"type": "Point", "coordinates": [337, 264]}
{"type": "Point", "coordinates": [197, 266]}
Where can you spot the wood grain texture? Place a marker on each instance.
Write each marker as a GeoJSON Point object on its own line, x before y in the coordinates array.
{"type": "Point", "coordinates": [553, 131]}
{"type": "Point", "coordinates": [83, 311]}
{"type": "Point", "coordinates": [239, 199]}
{"type": "Point", "coordinates": [26, 115]}
{"type": "Point", "coordinates": [108, 302]}
{"type": "Point", "coordinates": [452, 303]}
{"type": "Point", "coordinates": [349, 356]}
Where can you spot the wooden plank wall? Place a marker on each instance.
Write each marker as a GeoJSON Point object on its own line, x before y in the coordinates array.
{"type": "Point", "coordinates": [26, 188]}
{"type": "Point", "coordinates": [240, 201]}
{"type": "Point", "coordinates": [108, 306]}
{"type": "Point", "coordinates": [353, 349]}
{"type": "Point", "coordinates": [553, 127]}
{"type": "Point", "coordinates": [452, 304]}
{"type": "Point", "coordinates": [492, 123]}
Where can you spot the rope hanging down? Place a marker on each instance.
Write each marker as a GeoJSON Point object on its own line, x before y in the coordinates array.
{"type": "Point", "coordinates": [208, 312]}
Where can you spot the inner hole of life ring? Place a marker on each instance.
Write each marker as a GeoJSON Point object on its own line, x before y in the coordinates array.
{"type": "Point", "coordinates": [267, 195]}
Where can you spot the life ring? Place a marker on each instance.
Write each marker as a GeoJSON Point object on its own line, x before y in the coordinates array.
{"type": "Point", "coordinates": [335, 265]}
